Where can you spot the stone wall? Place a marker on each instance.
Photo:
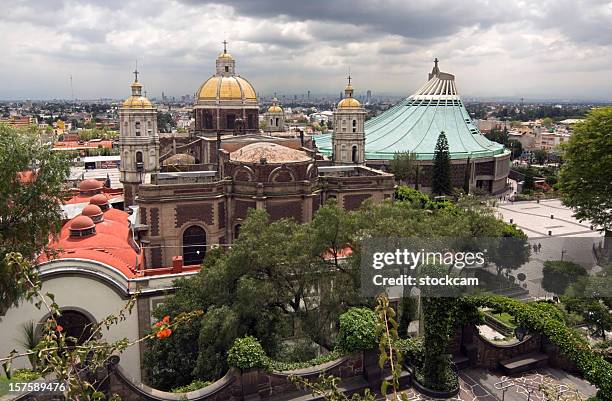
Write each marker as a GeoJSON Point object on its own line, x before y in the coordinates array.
{"type": "Point", "coordinates": [484, 354]}
{"type": "Point", "coordinates": [236, 385]}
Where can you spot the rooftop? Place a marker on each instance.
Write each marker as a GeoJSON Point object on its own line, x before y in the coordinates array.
{"type": "Point", "coordinates": [273, 154]}
{"type": "Point", "coordinates": [414, 124]}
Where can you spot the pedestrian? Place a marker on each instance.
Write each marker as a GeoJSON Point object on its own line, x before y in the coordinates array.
{"type": "Point", "coordinates": [539, 247]}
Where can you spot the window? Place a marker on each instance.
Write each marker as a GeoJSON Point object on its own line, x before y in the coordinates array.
{"type": "Point", "coordinates": [226, 68]}
{"type": "Point", "coordinates": [230, 121]}
{"type": "Point", "coordinates": [138, 157]}
{"type": "Point", "coordinates": [354, 154]}
{"type": "Point", "coordinates": [137, 124]}
{"type": "Point", "coordinates": [277, 119]}
{"type": "Point", "coordinates": [75, 324]}
{"type": "Point", "coordinates": [194, 245]}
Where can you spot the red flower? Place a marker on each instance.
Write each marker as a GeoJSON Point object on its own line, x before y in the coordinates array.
{"type": "Point", "coordinates": [166, 319]}
{"type": "Point", "coordinates": [158, 324]}
{"type": "Point", "coordinates": [59, 328]}
{"type": "Point", "coordinates": [164, 333]}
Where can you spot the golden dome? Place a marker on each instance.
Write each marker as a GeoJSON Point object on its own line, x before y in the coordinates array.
{"type": "Point", "coordinates": [226, 88]}
{"type": "Point", "coordinates": [137, 102]}
{"type": "Point", "coordinates": [225, 55]}
{"type": "Point", "coordinates": [275, 109]}
{"type": "Point", "coordinates": [348, 103]}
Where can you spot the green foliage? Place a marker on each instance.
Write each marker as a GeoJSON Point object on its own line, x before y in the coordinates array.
{"type": "Point", "coordinates": [529, 181]}
{"type": "Point", "coordinates": [558, 274]}
{"type": "Point", "coordinates": [358, 330]}
{"type": "Point", "coordinates": [511, 249]}
{"type": "Point", "coordinates": [193, 386]}
{"type": "Point", "coordinates": [389, 353]}
{"type": "Point", "coordinates": [439, 316]}
{"type": "Point", "coordinates": [179, 356]}
{"type": "Point", "coordinates": [286, 366]}
{"type": "Point", "coordinates": [31, 182]}
{"type": "Point", "coordinates": [416, 198]}
{"type": "Point", "coordinates": [441, 183]}
{"type": "Point", "coordinates": [540, 155]}
{"type": "Point", "coordinates": [247, 353]}
{"type": "Point", "coordinates": [165, 122]}
{"type": "Point", "coordinates": [573, 345]}
{"type": "Point", "coordinates": [328, 388]}
{"type": "Point", "coordinates": [585, 176]}
{"type": "Point", "coordinates": [24, 375]}
{"type": "Point", "coordinates": [403, 166]}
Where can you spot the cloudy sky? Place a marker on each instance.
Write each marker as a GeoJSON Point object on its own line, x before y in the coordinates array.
{"type": "Point", "coordinates": [506, 48]}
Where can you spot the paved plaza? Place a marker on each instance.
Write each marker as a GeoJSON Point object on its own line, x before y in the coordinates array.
{"type": "Point", "coordinates": [480, 385]}
{"type": "Point", "coordinates": [535, 219]}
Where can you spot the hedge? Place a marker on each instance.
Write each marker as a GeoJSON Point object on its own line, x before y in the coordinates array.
{"type": "Point", "coordinates": [285, 366]}
{"type": "Point", "coordinates": [543, 320]}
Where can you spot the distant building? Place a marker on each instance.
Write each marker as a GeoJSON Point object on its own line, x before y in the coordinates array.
{"type": "Point", "coordinates": [18, 121]}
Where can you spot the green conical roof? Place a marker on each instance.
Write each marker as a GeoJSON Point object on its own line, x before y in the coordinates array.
{"type": "Point", "coordinates": [414, 124]}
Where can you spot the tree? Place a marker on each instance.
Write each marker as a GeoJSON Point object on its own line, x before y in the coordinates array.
{"type": "Point", "coordinates": [547, 122]}
{"type": "Point", "coordinates": [516, 148]}
{"type": "Point", "coordinates": [403, 166]}
{"type": "Point", "coordinates": [165, 122]}
{"type": "Point", "coordinates": [31, 184]}
{"type": "Point", "coordinates": [416, 198]}
{"type": "Point", "coordinates": [441, 178]}
{"type": "Point", "coordinates": [584, 179]}
{"type": "Point", "coordinates": [558, 274]}
{"type": "Point", "coordinates": [264, 281]}
{"type": "Point", "coordinates": [540, 155]}
{"type": "Point", "coordinates": [529, 180]}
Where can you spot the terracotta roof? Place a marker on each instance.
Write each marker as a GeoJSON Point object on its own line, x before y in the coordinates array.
{"type": "Point", "coordinates": [81, 223]}
{"type": "Point", "coordinates": [85, 198]}
{"type": "Point", "coordinates": [90, 185]}
{"type": "Point", "coordinates": [111, 243]}
{"type": "Point", "coordinates": [273, 154]}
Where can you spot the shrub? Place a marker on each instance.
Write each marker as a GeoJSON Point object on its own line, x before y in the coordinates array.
{"type": "Point", "coordinates": [247, 353]}
{"type": "Point", "coordinates": [193, 386]}
{"type": "Point", "coordinates": [24, 375]}
{"type": "Point", "coordinates": [285, 366]}
{"type": "Point", "coordinates": [358, 330]}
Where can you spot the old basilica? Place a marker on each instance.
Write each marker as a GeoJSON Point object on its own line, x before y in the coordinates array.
{"type": "Point", "coordinates": [184, 209]}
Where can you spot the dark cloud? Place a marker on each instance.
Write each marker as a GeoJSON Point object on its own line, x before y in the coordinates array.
{"type": "Point", "coordinates": [406, 18]}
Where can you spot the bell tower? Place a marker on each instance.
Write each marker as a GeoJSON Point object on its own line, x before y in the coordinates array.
{"type": "Point", "coordinates": [348, 138]}
{"type": "Point", "coordinates": [138, 141]}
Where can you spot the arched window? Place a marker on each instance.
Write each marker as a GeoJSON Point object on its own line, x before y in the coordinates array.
{"type": "Point", "coordinates": [75, 324]}
{"type": "Point", "coordinates": [138, 157]}
{"type": "Point", "coordinates": [237, 231]}
{"type": "Point", "coordinates": [354, 155]}
{"type": "Point", "coordinates": [194, 245]}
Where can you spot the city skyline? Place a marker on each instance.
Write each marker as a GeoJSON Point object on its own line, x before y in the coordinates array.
{"type": "Point", "coordinates": [549, 50]}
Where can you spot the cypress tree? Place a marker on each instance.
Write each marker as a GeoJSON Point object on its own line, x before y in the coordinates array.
{"type": "Point", "coordinates": [441, 178]}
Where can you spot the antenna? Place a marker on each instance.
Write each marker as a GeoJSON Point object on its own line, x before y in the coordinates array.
{"type": "Point", "coordinates": [71, 88]}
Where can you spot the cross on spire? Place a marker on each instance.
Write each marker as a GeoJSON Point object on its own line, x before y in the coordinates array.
{"type": "Point", "coordinates": [224, 46]}
{"type": "Point", "coordinates": [436, 62]}
{"type": "Point", "coordinates": [136, 72]}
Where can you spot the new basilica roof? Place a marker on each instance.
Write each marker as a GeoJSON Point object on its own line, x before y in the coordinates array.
{"type": "Point", "coordinates": [414, 124]}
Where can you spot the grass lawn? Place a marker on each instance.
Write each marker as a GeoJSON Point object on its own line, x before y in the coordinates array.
{"type": "Point", "coordinates": [505, 318]}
